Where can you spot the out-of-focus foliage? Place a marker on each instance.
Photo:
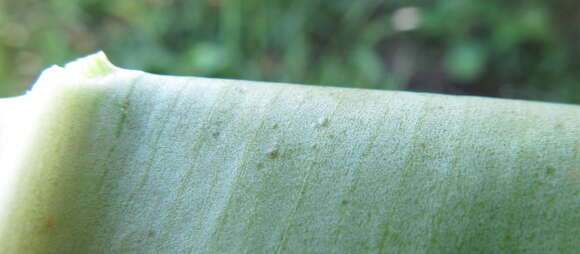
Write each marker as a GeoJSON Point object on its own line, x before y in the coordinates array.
{"type": "Point", "coordinates": [517, 49]}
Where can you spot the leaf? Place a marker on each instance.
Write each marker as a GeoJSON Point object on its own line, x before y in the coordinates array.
{"type": "Point", "coordinates": [106, 160]}
{"type": "Point", "coordinates": [466, 61]}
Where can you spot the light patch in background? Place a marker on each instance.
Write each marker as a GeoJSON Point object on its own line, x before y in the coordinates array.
{"type": "Point", "coordinates": [406, 19]}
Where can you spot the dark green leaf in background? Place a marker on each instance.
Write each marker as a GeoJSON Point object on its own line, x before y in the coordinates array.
{"type": "Point", "coordinates": [518, 49]}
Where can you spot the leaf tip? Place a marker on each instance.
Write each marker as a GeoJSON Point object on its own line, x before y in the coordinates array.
{"type": "Point", "coordinates": [92, 66]}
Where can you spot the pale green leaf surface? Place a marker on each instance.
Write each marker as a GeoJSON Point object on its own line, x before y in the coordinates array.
{"type": "Point", "coordinates": [120, 161]}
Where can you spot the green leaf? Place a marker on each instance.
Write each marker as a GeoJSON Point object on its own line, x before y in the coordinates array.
{"type": "Point", "coordinates": [100, 159]}
{"type": "Point", "coordinates": [466, 61]}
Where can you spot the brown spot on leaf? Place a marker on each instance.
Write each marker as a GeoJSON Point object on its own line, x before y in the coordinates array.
{"type": "Point", "coordinates": [49, 224]}
{"type": "Point", "coordinates": [273, 154]}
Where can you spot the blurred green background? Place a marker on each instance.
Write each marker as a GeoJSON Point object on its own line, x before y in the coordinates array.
{"type": "Point", "coordinates": [515, 49]}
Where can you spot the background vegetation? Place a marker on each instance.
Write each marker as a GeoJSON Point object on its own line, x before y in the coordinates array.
{"type": "Point", "coordinates": [517, 49]}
